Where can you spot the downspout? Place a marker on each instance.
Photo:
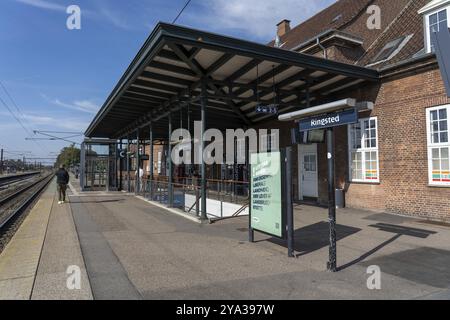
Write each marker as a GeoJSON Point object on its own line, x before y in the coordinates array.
{"type": "Point", "coordinates": [322, 47]}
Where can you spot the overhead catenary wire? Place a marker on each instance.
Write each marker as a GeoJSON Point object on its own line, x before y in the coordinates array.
{"type": "Point", "coordinates": [181, 11]}
{"type": "Point", "coordinates": [27, 130]}
{"type": "Point", "coordinates": [14, 116]}
{"type": "Point", "coordinates": [14, 102]}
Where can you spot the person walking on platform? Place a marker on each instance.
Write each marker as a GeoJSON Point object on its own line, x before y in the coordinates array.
{"type": "Point", "coordinates": [62, 179]}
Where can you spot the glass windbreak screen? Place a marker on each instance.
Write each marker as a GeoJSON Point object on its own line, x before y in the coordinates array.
{"type": "Point", "coordinates": [98, 150]}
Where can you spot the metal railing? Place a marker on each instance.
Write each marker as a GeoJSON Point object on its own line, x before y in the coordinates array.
{"type": "Point", "coordinates": [223, 191]}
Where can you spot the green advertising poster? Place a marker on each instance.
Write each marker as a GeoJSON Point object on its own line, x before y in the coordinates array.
{"type": "Point", "coordinates": [266, 194]}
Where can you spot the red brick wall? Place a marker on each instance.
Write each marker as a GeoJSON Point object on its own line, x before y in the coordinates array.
{"type": "Point", "coordinates": [400, 107]}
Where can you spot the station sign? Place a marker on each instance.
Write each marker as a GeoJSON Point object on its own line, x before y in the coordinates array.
{"type": "Point", "coordinates": [269, 109]}
{"type": "Point", "coordinates": [266, 211]}
{"type": "Point", "coordinates": [329, 120]}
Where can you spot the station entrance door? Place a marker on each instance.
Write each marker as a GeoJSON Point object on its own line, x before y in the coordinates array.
{"type": "Point", "coordinates": [99, 165]}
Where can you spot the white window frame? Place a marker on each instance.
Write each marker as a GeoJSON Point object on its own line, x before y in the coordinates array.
{"type": "Point", "coordinates": [427, 25]}
{"type": "Point", "coordinates": [431, 145]}
{"type": "Point", "coordinates": [363, 151]}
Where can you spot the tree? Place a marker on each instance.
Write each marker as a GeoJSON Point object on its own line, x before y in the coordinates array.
{"type": "Point", "coordinates": [69, 156]}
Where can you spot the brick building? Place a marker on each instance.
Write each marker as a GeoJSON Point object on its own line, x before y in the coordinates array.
{"type": "Point", "coordinates": [397, 159]}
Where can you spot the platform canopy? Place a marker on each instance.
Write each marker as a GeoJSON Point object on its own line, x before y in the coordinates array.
{"type": "Point", "coordinates": [175, 63]}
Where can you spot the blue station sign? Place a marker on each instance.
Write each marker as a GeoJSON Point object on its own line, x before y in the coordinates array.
{"type": "Point", "coordinates": [329, 120]}
{"type": "Point", "coordinates": [267, 109]}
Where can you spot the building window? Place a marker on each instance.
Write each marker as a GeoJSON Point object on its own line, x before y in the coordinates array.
{"type": "Point", "coordinates": [391, 49]}
{"type": "Point", "coordinates": [363, 151]}
{"type": "Point", "coordinates": [435, 22]}
{"type": "Point", "coordinates": [438, 122]}
{"type": "Point", "coordinates": [159, 163]}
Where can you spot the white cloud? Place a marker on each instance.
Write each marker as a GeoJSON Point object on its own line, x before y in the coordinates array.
{"type": "Point", "coordinates": [42, 4]}
{"type": "Point", "coordinates": [114, 18]}
{"type": "Point", "coordinates": [37, 120]}
{"type": "Point", "coordinates": [68, 123]}
{"type": "Point", "coordinates": [86, 106]}
{"type": "Point", "coordinates": [255, 17]}
{"type": "Point", "coordinates": [103, 13]}
{"type": "Point", "coordinates": [83, 106]}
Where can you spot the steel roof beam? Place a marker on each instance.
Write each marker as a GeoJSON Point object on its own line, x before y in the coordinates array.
{"type": "Point", "coordinates": [242, 71]}
{"type": "Point", "coordinates": [149, 92]}
{"type": "Point", "coordinates": [172, 68]}
{"type": "Point", "coordinates": [159, 86]}
{"type": "Point", "coordinates": [165, 78]}
{"type": "Point", "coordinates": [139, 97]}
{"type": "Point", "coordinates": [197, 68]}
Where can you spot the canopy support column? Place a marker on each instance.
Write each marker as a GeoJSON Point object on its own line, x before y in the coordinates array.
{"type": "Point", "coordinates": [138, 170]}
{"type": "Point", "coordinates": [120, 165]}
{"type": "Point", "coordinates": [204, 101]}
{"type": "Point", "coordinates": [151, 161]}
{"type": "Point", "coordinates": [331, 201]}
{"type": "Point", "coordinates": [118, 149]}
{"type": "Point", "coordinates": [169, 156]}
{"type": "Point", "coordinates": [128, 165]}
{"type": "Point", "coordinates": [189, 166]}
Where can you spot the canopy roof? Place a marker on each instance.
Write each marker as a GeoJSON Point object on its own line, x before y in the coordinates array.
{"type": "Point", "coordinates": [169, 71]}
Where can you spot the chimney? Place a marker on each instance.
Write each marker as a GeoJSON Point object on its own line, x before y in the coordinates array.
{"type": "Point", "coordinates": [283, 27]}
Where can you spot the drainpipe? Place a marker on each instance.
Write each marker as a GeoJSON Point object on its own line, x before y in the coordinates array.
{"type": "Point", "coordinates": [322, 47]}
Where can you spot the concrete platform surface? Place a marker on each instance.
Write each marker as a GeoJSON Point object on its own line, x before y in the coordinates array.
{"type": "Point", "coordinates": [19, 261]}
{"type": "Point", "coordinates": [127, 248]}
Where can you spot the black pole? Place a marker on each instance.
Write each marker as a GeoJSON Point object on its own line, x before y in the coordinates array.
{"type": "Point", "coordinates": [138, 158]}
{"type": "Point", "coordinates": [169, 156]}
{"type": "Point", "coordinates": [151, 161]}
{"type": "Point", "coordinates": [128, 164]}
{"type": "Point", "coordinates": [251, 232]}
{"type": "Point", "coordinates": [204, 100]}
{"type": "Point", "coordinates": [288, 199]}
{"type": "Point", "coordinates": [332, 265]}
{"type": "Point", "coordinates": [120, 166]}
{"type": "Point", "coordinates": [189, 166]}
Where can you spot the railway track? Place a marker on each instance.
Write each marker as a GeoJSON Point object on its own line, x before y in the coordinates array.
{"type": "Point", "coordinates": [18, 201]}
{"type": "Point", "coordinates": [7, 180]}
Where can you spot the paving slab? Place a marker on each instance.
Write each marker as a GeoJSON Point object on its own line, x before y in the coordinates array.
{"type": "Point", "coordinates": [61, 251]}
{"type": "Point", "coordinates": [108, 279]}
{"type": "Point", "coordinates": [19, 261]}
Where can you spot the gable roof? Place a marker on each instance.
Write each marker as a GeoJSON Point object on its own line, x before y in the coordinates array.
{"type": "Point", "coordinates": [325, 20]}
{"type": "Point", "coordinates": [409, 23]}
{"type": "Point", "coordinates": [399, 18]}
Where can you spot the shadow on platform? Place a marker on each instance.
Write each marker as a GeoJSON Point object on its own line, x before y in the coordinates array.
{"type": "Point", "coordinates": [316, 236]}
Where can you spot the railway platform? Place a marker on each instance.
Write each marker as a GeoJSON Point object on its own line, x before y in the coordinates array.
{"type": "Point", "coordinates": [126, 248]}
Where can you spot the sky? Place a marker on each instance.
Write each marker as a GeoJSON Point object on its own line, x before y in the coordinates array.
{"type": "Point", "coordinates": [56, 79]}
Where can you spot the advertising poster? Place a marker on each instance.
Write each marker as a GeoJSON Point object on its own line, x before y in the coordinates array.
{"type": "Point", "coordinates": [266, 194]}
